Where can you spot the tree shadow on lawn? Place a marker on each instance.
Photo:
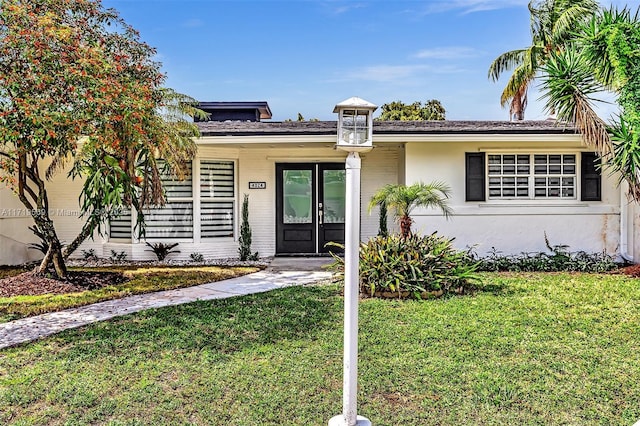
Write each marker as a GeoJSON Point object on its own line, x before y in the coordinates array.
{"type": "Point", "coordinates": [223, 326]}
{"type": "Point", "coordinates": [496, 283]}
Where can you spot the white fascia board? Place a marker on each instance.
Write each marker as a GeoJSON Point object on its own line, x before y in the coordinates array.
{"type": "Point", "coordinates": [395, 138]}
{"type": "Point", "coordinates": [478, 137]}
{"type": "Point", "coordinates": [267, 139]}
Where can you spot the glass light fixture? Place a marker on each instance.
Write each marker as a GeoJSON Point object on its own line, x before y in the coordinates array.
{"type": "Point", "coordinates": [355, 124]}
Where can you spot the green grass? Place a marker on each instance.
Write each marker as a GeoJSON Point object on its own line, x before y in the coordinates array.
{"type": "Point", "coordinates": [143, 280]}
{"type": "Point", "coordinates": [530, 349]}
{"type": "Point", "coordinates": [9, 271]}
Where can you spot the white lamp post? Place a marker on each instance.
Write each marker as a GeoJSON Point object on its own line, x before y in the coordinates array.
{"type": "Point", "coordinates": [355, 130]}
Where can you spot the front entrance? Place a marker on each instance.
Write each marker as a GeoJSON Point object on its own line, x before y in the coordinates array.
{"type": "Point", "coordinates": [310, 207]}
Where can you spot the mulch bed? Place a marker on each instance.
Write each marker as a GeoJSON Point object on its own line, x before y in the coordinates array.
{"type": "Point", "coordinates": [632, 270]}
{"type": "Point", "coordinates": [31, 284]}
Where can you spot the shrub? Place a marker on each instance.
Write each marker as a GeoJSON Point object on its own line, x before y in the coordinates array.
{"type": "Point", "coordinates": [383, 231]}
{"type": "Point", "coordinates": [559, 260]}
{"type": "Point", "coordinates": [89, 255]}
{"type": "Point", "coordinates": [244, 250]}
{"type": "Point", "coordinates": [117, 257]}
{"type": "Point", "coordinates": [412, 266]}
{"type": "Point", "coordinates": [162, 250]}
{"type": "Point", "coordinates": [196, 257]}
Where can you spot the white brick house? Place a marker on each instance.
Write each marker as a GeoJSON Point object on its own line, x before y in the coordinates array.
{"type": "Point", "coordinates": [511, 183]}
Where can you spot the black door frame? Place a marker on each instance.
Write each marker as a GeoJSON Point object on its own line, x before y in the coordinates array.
{"type": "Point", "coordinates": [328, 232]}
{"type": "Point", "coordinates": [308, 238]}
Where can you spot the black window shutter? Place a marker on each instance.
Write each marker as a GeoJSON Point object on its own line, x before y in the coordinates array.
{"type": "Point", "coordinates": [474, 176]}
{"type": "Point", "coordinates": [591, 178]}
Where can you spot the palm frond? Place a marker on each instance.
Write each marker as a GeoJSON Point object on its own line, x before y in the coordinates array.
{"type": "Point", "coordinates": [505, 62]}
{"type": "Point", "coordinates": [568, 88]}
{"type": "Point", "coordinates": [514, 93]}
{"type": "Point", "coordinates": [381, 196]}
{"type": "Point", "coordinates": [178, 106]}
{"type": "Point", "coordinates": [572, 14]}
{"type": "Point", "coordinates": [626, 158]}
{"type": "Point", "coordinates": [402, 199]}
{"type": "Point", "coordinates": [517, 85]}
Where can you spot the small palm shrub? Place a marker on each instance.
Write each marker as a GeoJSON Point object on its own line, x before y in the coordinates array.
{"type": "Point", "coordinates": [416, 266]}
{"type": "Point", "coordinates": [162, 250]}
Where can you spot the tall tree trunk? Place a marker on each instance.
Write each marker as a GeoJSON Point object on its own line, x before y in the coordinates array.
{"type": "Point", "coordinates": [36, 200]}
{"type": "Point", "coordinates": [405, 226]}
{"type": "Point", "coordinates": [53, 256]}
{"type": "Point", "coordinates": [516, 108]}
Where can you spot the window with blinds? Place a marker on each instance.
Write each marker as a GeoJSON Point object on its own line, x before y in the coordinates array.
{"type": "Point", "coordinates": [173, 220]}
{"type": "Point", "coordinates": [217, 198]}
{"type": "Point", "coordinates": [176, 188]}
{"type": "Point", "coordinates": [176, 218]}
{"type": "Point", "coordinates": [120, 226]}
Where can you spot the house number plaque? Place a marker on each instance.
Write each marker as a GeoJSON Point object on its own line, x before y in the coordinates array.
{"type": "Point", "coordinates": [257, 185]}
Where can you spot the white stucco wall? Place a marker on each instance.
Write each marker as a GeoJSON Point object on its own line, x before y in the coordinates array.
{"type": "Point", "coordinates": [512, 226]}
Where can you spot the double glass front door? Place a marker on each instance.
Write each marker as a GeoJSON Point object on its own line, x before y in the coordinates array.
{"type": "Point", "coordinates": [310, 207]}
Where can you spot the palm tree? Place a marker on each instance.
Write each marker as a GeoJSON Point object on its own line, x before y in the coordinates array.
{"type": "Point", "coordinates": [552, 22]}
{"type": "Point", "coordinates": [603, 58]}
{"type": "Point", "coordinates": [402, 199]}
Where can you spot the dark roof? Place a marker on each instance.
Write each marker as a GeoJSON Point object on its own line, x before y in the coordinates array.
{"type": "Point", "coordinates": [245, 128]}
{"type": "Point", "coordinates": [261, 106]}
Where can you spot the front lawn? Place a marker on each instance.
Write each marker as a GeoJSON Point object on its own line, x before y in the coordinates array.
{"type": "Point", "coordinates": [527, 349]}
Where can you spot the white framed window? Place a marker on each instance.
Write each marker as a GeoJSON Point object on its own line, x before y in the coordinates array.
{"type": "Point", "coordinates": [120, 226]}
{"type": "Point", "coordinates": [532, 176]}
{"type": "Point", "coordinates": [205, 211]}
{"type": "Point", "coordinates": [175, 219]}
{"type": "Point", "coordinates": [217, 198]}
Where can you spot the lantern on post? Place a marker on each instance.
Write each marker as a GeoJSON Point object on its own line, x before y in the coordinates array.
{"type": "Point", "coordinates": [355, 125]}
{"type": "Point", "coordinates": [355, 135]}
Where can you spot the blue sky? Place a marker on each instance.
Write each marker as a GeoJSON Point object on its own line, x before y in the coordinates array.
{"type": "Point", "coordinates": [307, 55]}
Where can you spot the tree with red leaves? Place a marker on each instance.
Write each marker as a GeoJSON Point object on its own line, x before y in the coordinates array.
{"type": "Point", "coordinates": [79, 87]}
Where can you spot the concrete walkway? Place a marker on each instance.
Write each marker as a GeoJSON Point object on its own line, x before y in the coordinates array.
{"type": "Point", "coordinates": [282, 272]}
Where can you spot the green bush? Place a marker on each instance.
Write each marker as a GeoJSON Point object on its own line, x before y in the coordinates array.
{"type": "Point", "coordinates": [244, 249]}
{"type": "Point", "coordinates": [545, 262]}
{"type": "Point", "coordinates": [559, 259]}
{"type": "Point", "coordinates": [162, 250]}
{"type": "Point", "coordinates": [413, 266]}
{"type": "Point", "coordinates": [196, 257]}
